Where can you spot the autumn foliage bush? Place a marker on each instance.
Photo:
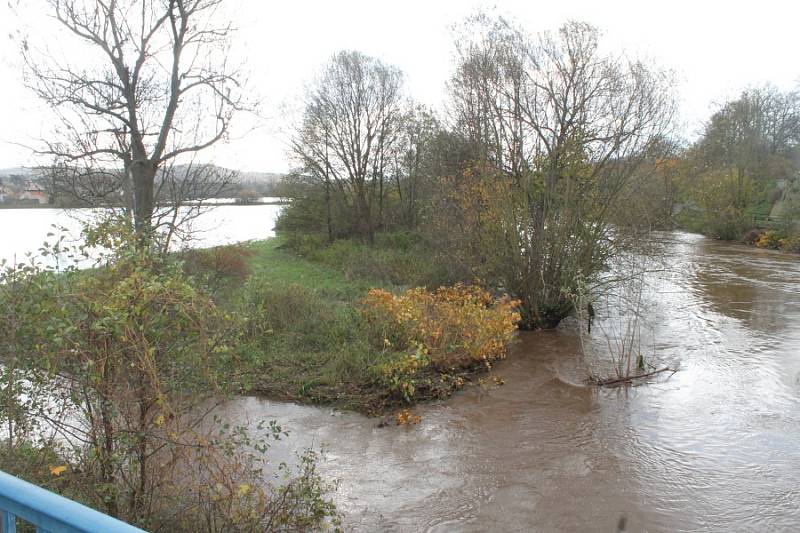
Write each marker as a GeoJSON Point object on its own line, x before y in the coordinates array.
{"type": "Point", "coordinates": [774, 239]}
{"type": "Point", "coordinates": [449, 330]}
{"type": "Point", "coordinates": [770, 239]}
{"type": "Point", "coordinates": [791, 243]}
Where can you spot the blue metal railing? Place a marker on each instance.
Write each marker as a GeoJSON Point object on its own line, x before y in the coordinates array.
{"type": "Point", "coordinates": [49, 512]}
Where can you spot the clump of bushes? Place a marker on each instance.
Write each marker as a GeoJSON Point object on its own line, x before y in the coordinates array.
{"type": "Point", "coordinates": [770, 239]}
{"type": "Point", "coordinates": [791, 243]}
{"type": "Point", "coordinates": [726, 224]}
{"type": "Point", "coordinates": [440, 334]}
{"type": "Point", "coordinates": [774, 239]}
{"type": "Point", "coordinates": [219, 266]}
{"type": "Point", "coordinates": [296, 315]}
{"type": "Point", "coordinates": [141, 356]}
{"type": "Point", "coordinates": [307, 347]}
{"type": "Point", "coordinates": [370, 356]}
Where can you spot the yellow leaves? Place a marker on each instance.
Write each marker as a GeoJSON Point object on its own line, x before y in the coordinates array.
{"type": "Point", "coordinates": [243, 490]}
{"type": "Point", "coordinates": [772, 239]}
{"type": "Point", "coordinates": [460, 320]}
{"type": "Point", "coordinates": [58, 470]}
{"type": "Point", "coordinates": [159, 421]}
{"type": "Point", "coordinates": [456, 327]}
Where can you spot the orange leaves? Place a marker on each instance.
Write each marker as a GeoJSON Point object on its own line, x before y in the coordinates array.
{"type": "Point", "coordinates": [58, 470]}
{"type": "Point", "coordinates": [455, 325]}
{"type": "Point", "coordinates": [450, 329]}
{"type": "Point", "coordinates": [407, 418]}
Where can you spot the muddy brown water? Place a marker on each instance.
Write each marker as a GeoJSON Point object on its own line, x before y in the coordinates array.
{"type": "Point", "coordinates": [714, 447]}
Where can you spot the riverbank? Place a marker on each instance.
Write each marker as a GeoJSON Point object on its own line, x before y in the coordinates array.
{"type": "Point", "coordinates": [661, 455]}
{"type": "Point", "coordinates": [315, 333]}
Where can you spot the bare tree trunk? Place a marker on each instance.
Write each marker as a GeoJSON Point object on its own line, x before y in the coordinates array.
{"type": "Point", "coordinates": [130, 112]}
{"type": "Point", "coordinates": [328, 190]}
{"type": "Point", "coordinates": [143, 173]}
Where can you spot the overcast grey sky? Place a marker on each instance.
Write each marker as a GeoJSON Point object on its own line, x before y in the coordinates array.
{"type": "Point", "coordinates": [716, 48]}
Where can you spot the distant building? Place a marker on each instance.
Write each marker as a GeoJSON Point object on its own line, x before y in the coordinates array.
{"type": "Point", "coordinates": [3, 193]}
{"type": "Point", "coordinates": [35, 193]}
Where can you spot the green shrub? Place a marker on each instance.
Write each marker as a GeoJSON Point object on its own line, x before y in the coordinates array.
{"type": "Point", "coordinates": [397, 258]}
{"type": "Point", "coordinates": [790, 243]}
{"type": "Point", "coordinates": [398, 240]}
{"type": "Point", "coordinates": [335, 254]}
{"type": "Point", "coordinates": [218, 267]}
{"type": "Point", "coordinates": [307, 347]}
{"type": "Point", "coordinates": [303, 244]}
{"type": "Point", "coordinates": [298, 316]}
{"type": "Point", "coordinates": [729, 224]}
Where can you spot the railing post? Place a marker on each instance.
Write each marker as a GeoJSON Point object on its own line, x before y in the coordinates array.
{"type": "Point", "coordinates": [9, 522]}
{"type": "Point", "coordinates": [49, 512]}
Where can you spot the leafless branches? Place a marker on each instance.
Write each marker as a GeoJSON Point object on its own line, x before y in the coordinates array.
{"type": "Point", "coordinates": [563, 127]}
{"type": "Point", "coordinates": [153, 88]}
{"type": "Point", "coordinates": [351, 121]}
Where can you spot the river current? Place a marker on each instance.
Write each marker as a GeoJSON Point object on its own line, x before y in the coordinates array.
{"type": "Point", "coordinates": [713, 447]}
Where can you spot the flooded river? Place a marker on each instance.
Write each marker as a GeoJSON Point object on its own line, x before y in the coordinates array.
{"type": "Point", "coordinates": [714, 447]}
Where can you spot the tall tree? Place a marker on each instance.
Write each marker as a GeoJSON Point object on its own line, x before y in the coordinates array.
{"type": "Point", "coordinates": [350, 123]}
{"type": "Point", "coordinates": [754, 139]}
{"type": "Point", "coordinates": [559, 128]}
{"type": "Point", "coordinates": [412, 171]}
{"type": "Point", "coordinates": [151, 88]}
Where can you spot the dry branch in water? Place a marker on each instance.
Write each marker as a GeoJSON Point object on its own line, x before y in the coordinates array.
{"type": "Point", "coordinates": [629, 378]}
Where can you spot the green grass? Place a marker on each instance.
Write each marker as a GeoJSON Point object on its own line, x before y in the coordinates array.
{"type": "Point", "coordinates": [281, 267]}
{"type": "Point", "coordinates": [303, 337]}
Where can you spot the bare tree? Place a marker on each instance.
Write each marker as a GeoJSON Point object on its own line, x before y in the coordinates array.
{"type": "Point", "coordinates": [151, 89]}
{"type": "Point", "coordinates": [411, 168]}
{"type": "Point", "coordinates": [350, 123]}
{"type": "Point", "coordinates": [181, 194]}
{"type": "Point", "coordinates": [560, 129]}
{"type": "Point", "coordinates": [754, 139]}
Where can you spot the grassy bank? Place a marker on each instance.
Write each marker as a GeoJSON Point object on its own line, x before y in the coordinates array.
{"type": "Point", "coordinates": [304, 339]}
{"type": "Point", "coordinates": [316, 329]}
{"type": "Point", "coordinates": [274, 262]}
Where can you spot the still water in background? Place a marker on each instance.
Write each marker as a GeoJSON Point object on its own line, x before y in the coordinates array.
{"type": "Point", "coordinates": [25, 230]}
{"type": "Point", "coordinates": [714, 447]}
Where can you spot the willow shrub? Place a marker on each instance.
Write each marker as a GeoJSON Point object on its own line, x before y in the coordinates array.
{"type": "Point", "coordinates": [438, 334]}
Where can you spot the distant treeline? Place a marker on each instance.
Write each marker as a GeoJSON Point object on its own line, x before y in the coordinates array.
{"type": "Point", "coordinates": [65, 188]}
